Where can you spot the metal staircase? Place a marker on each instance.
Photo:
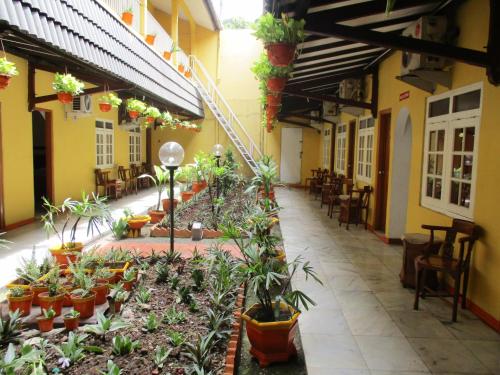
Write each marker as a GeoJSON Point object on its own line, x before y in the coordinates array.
{"type": "Point", "coordinates": [224, 114]}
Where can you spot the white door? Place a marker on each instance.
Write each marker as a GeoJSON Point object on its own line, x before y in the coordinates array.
{"type": "Point", "coordinates": [291, 155]}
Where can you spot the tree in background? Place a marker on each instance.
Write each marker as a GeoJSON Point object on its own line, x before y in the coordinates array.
{"type": "Point", "coordinates": [237, 23]}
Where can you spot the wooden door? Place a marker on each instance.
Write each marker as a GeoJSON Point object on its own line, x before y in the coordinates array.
{"type": "Point", "coordinates": [291, 155]}
{"type": "Point", "coordinates": [350, 152]}
{"type": "Point", "coordinates": [382, 170]}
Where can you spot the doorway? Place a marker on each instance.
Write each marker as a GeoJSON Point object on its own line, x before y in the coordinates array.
{"type": "Point", "coordinates": [350, 153]}
{"type": "Point", "coordinates": [42, 158]}
{"type": "Point", "coordinates": [291, 155]}
{"type": "Point", "coordinates": [383, 157]}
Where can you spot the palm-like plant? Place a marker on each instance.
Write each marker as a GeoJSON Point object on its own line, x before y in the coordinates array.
{"type": "Point", "coordinates": [266, 177]}
{"type": "Point", "coordinates": [160, 180]}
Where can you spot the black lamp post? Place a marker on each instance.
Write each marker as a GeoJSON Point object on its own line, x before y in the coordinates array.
{"type": "Point", "coordinates": [171, 155]}
{"type": "Point", "coordinates": [217, 150]}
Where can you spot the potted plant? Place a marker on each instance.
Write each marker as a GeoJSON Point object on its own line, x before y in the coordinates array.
{"type": "Point", "coordinates": [101, 291]}
{"type": "Point", "coordinates": [108, 101]}
{"type": "Point", "coordinates": [188, 73]}
{"type": "Point", "coordinates": [94, 210]}
{"type": "Point", "coordinates": [117, 297]}
{"type": "Point", "coordinates": [83, 297]}
{"type": "Point", "coordinates": [168, 53]}
{"type": "Point", "coordinates": [103, 275]}
{"type": "Point", "coordinates": [129, 278]}
{"type": "Point", "coordinates": [181, 67]}
{"type": "Point", "coordinates": [202, 164]}
{"type": "Point", "coordinates": [7, 71]}
{"type": "Point", "coordinates": [128, 16]}
{"type": "Point", "coordinates": [151, 113]}
{"type": "Point", "coordinates": [53, 298]}
{"type": "Point", "coordinates": [135, 108]}
{"type": "Point", "coordinates": [160, 180]}
{"type": "Point", "coordinates": [280, 37]}
{"type": "Point", "coordinates": [67, 87]}
{"type": "Point", "coordinates": [46, 320]}
{"type": "Point", "coordinates": [150, 38]}
{"type": "Point", "coordinates": [20, 299]}
{"type": "Point", "coordinates": [274, 76]}
{"type": "Point", "coordinates": [273, 99]}
{"type": "Point", "coordinates": [266, 178]}
{"type": "Point", "coordinates": [71, 320]}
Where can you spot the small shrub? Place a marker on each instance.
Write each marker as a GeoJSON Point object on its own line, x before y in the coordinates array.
{"type": "Point", "coordinates": [123, 345]}
{"type": "Point", "coordinates": [162, 272]}
{"type": "Point", "coordinates": [172, 316]}
{"type": "Point", "coordinates": [143, 295]}
{"type": "Point", "coordinates": [151, 322]}
{"type": "Point", "coordinates": [161, 356]}
{"type": "Point", "coordinates": [176, 338]}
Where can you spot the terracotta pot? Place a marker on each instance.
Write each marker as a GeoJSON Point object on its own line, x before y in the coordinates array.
{"type": "Point", "coordinates": [276, 84]}
{"type": "Point", "coordinates": [4, 81]}
{"type": "Point", "coordinates": [101, 292]}
{"type": "Point", "coordinates": [128, 18]}
{"type": "Point", "coordinates": [45, 324]}
{"type": "Point", "coordinates": [36, 291]}
{"type": "Point", "coordinates": [105, 107]}
{"type": "Point", "coordinates": [23, 303]}
{"type": "Point", "coordinates": [46, 302]}
{"type": "Point", "coordinates": [107, 281]}
{"type": "Point", "coordinates": [150, 120]}
{"type": "Point", "coordinates": [271, 112]}
{"type": "Point", "coordinates": [271, 341]}
{"type": "Point", "coordinates": [181, 68]}
{"type": "Point", "coordinates": [71, 323]}
{"type": "Point", "coordinates": [166, 204]}
{"type": "Point", "coordinates": [67, 296]}
{"type": "Point", "coordinates": [167, 55]}
{"type": "Point", "coordinates": [273, 100]}
{"type": "Point", "coordinates": [188, 74]}
{"type": "Point", "coordinates": [118, 307]}
{"type": "Point", "coordinates": [156, 216]}
{"type": "Point", "coordinates": [85, 306]}
{"type": "Point", "coordinates": [65, 97]}
{"type": "Point", "coordinates": [133, 114]}
{"type": "Point", "coordinates": [138, 222]}
{"type": "Point", "coordinates": [186, 195]}
{"type": "Point", "coordinates": [128, 285]}
{"type": "Point", "coordinates": [280, 54]}
{"type": "Point", "coordinates": [197, 187]}
{"type": "Point", "coordinates": [64, 256]}
{"type": "Point", "coordinates": [150, 39]}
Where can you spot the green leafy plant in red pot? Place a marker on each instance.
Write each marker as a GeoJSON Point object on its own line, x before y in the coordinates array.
{"type": "Point", "coordinates": [135, 108]}
{"type": "Point", "coordinates": [7, 71]}
{"type": "Point", "coordinates": [83, 297]}
{"type": "Point", "coordinates": [20, 299]}
{"type": "Point", "coordinates": [160, 180]}
{"type": "Point", "coordinates": [280, 37]}
{"type": "Point", "coordinates": [275, 77]}
{"type": "Point", "coordinates": [101, 292]}
{"type": "Point", "coordinates": [117, 296]}
{"type": "Point", "coordinates": [108, 101]}
{"type": "Point", "coordinates": [46, 320]}
{"type": "Point", "coordinates": [66, 86]}
{"type": "Point", "coordinates": [129, 278]}
{"type": "Point", "coordinates": [53, 298]}
{"type": "Point", "coordinates": [71, 320]}
{"type": "Point", "coordinates": [151, 113]}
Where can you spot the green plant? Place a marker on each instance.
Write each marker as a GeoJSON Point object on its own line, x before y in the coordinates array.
{"type": "Point", "coordinates": [267, 176]}
{"type": "Point", "coordinates": [172, 257]}
{"type": "Point", "coordinates": [176, 338]}
{"type": "Point", "coordinates": [28, 361]}
{"type": "Point", "coordinates": [230, 176]}
{"type": "Point", "coordinates": [152, 112]}
{"type": "Point", "coordinates": [4, 244]}
{"type": "Point", "coordinates": [7, 68]}
{"type": "Point", "coordinates": [81, 280]}
{"type": "Point", "coordinates": [184, 295]}
{"type": "Point", "coordinates": [102, 272]}
{"type": "Point", "coordinates": [162, 272]}
{"type": "Point", "coordinates": [72, 350]}
{"type": "Point", "coordinates": [105, 325]}
{"type": "Point", "coordinates": [10, 327]}
{"type": "Point", "coordinates": [160, 180]}
{"type": "Point", "coordinates": [143, 295]}
{"type": "Point", "coordinates": [197, 370]}
{"type": "Point", "coordinates": [198, 278]}
{"type": "Point", "coordinates": [16, 292]}
{"type": "Point", "coordinates": [29, 270]}
{"type": "Point", "coordinates": [119, 228]}
{"type": "Point", "coordinates": [160, 356]}
{"type": "Point", "coordinates": [67, 83]}
{"type": "Point", "coordinates": [219, 323]}
{"type": "Point", "coordinates": [199, 351]}
{"type": "Point", "coordinates": [123, 345]}
{"type": "Point", "coordinates": [130, 274]}
{"type": "Point", "coordinates": [174, 282]}
{"type": "Point", "coordinates": [135, 105]}
{"type": "Point", "coordinates": [111, 98]}
{"type": "Point", "coordinates": [72, 314]}
{"type": "Point", "coordinates": [118, 256]}
{"type": "Point", "coordinates": [275, 30]}
{"type": "Point", "coordinates": [193, 306]}
{"type": "Point", "coordinates": [48, 314]}
{"type": "Point", "coordinates": [151, 323]}
{"type": "Point", "coordinates": [172, 316]}
{"type": "Point", "coordinates": [111, 369]}
{"type": "Point", "coordinates": [166, 119]}
{"type": "Point", "coordinates": [263, 69]}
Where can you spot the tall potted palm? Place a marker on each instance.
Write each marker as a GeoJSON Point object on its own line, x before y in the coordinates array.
{"type": "Point", "coordinates": [160, 180]}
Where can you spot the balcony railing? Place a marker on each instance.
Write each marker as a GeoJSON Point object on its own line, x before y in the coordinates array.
{"type": "Point", "coordinates": [119, 6]}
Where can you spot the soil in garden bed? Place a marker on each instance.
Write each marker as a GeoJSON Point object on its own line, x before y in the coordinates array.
{"type": "Point", "coordinates": [141, 360]}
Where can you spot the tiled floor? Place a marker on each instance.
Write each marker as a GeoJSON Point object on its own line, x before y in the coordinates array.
{"type": "Point", "coordinates": [364, 322]}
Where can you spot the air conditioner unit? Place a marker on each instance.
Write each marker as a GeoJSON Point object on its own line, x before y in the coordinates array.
{"type": "Point", "coordinates": [351, 89]}
{"type": "Point", "coordinates": [432, 28]}
{"type": "Point", "coordinates": [314, 123]}
{"type": "Point", "coordinates": [330, 109]}
{"type": "Point", "coordinates": [80, 107]}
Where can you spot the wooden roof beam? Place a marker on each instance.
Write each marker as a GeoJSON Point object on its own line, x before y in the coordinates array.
{"type": "Point", "coordinates": [327, 98]}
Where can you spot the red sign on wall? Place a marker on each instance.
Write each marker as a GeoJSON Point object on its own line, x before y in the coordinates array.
{"type": "Point", "coordinates": [404, 95]}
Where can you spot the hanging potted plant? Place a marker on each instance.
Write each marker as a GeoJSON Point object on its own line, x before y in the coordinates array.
{"type": "Point", "coordinates": [7, 71]}
{"type": "Point", "coordinates": [273, 100]}
{"type": "Point", "coordinates": [128, 16]}
{"type": "Point", "coordinates": [150, 38]}
{"type": "Point", "coordinates": [280, 37]}
{"type": "Point", "coordinates": [46, 320]}
{"type": "Point", "coordinates": [160, 180]}
{"type": "Point", "coordinates": [83, 298]}
{"type": "Point", "coordinates": [274, 76]}
{"type": "Point", "coordinates": [108, 101]}
{"type": "Point", "coordinates": [135, 108]}
{"type": "Point", "coordinates": [20, 299]}
{"type": "Point", "coordinates": [71, 320]}
{"type": "Point", "coordinates": [166, 119]}
{"type": "Point", "coordinates": [67, 87]}
{"type": "Point", "coordinates": [151, 113]}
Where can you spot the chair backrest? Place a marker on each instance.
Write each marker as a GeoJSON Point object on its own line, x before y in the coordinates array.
{"type": "Point", "coordinates": [471, 233]}
{"type": "Point", "coordinates": [121, 173]}
{"type": "Point", "coordinates": [366, 196]}
{"type": "Point", "coordinates": [348, 185]}
{"type": "Point", "coordinates": [337, 184]}
{"type": "Point", "coordinates": [99, 177]}
{"type": "Point", "coordinates": [134, 171]}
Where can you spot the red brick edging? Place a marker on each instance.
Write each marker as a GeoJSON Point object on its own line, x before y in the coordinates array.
{"type": "Point", "coordinates": [234, 344]}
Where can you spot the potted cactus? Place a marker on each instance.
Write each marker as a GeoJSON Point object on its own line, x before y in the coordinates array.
{"type": "Point", "coordinates": [7, 71]}
{"type": "Point", "coordinates": [66, 86]}
{"type": "Point", "coordinates": [128, 16]}
{"type": "Point", "coordinates": [46, 320]}
{"type": "Point", "coordinates": [108, 101]}
{"type": "Point", "coordinates": [20, 299]}
{"type": "Point", "coordinates": [135, 108]}
{"type": "Point", "coordinates": [53, 298]}
{"type": "Point", "coordinates": [71, 320]}
{"type": "Point", "coordinates": [83, 297]}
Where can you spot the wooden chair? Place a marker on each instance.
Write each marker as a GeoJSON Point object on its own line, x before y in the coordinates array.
{"type": "Point", "coordinates": [352, 206]}
{"type": "Point", "coordinates": [145, 168]}
{"type": "Point", "coordinates": [326, 188]}
{"type": "Point", "coordinates": [314, 173]}
{"type": "Point", "coordinates": [135, 172]}
{"type": "Point", "coordinates": [112, 188]}
{"type": "Point", "coordinates": [317, 183]}
{"type": "Point", "coordinates": [126, 177]}
{"type": "Point", "coordinates": [445, 263]}
{"type": "Point", "coordinates": [334, 194]}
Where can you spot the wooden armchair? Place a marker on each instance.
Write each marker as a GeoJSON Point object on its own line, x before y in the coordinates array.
{"type": "Point", "coordinates": [317, 183]}
{"type": "Point", "coordinates": [129, 181]}
{"type": "Point", "coordinates": [314, 173]}
{"type": "Point", "coordinates": [112, 188]}
{"type": "Point", "coordinates": [446, 263]}
{"type": "Point", "coordinates": [353, 205]}
{"type": "Point", "coordinates": [135, 172]}
{"type": "Point", "coordinates": [334, 194]}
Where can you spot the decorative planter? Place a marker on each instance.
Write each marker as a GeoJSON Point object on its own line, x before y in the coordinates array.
{"type": "Point", "coordinates": [85, 306]}
{"type": "Point", "coordinates": [133, 114]}
{"type": "Point", "coordinates": [167, 55]}
{"type": "Point", "coordinates": [150, 39]}
{"type": "Point", "coordinates": [105, 107]}
{"type": "Point", "coordinates": [45, 324]}
{"type": "Point", "coordinates": [71, 323]}
{"type": "Point", "coordinates": [46, 302]}
{"type": "Point", "coordinates": [166, 204]}
{"type": "Point", "coordinates": [101, 292]}
{"type": "Point", "coordinates": [271, 341]}
{"type": "Point", "coordinates": [65, 97]}
{"type": "Point", "coordinates": [273, 100]}
{"type": "Point", "coordinates": [118, 307]}
{"type": "Point", "coordinates": [70, 253]}
{"type": "Point", "coordinates": [150, 120]}
{"type": "Point", "coordinates": [197, 187]}
{"type": "Point", "coordinates": [128, 285]}
{"type": "Point", "coordinates": [128, 18]}
{"type": "Point", "coordinates": [187, 195]}
{"type": "Point", "coordinates": [280, 54]}
{"type": "Point", "coordinates": [137, 222]}
{"type": "Point", "coordinates": [156, 216]}
{"type": "Point", "coordinates": [23, 303]}
{"type": "Point", "coordinates": [188, 74]}
{"type": "Point", "coordinates": [181, 68]}
{"type": "Point", "coordinates": [276, 84]}
{"type": "Point", "coordinates": [37, 289]}
{"type": "Point", "coordinates": [4, 81]}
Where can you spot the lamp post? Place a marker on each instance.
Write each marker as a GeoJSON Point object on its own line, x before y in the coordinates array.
{"type": "Point", "coordinates": [217, 150]}
{"type": "Point", "coordinates": [171, 155]}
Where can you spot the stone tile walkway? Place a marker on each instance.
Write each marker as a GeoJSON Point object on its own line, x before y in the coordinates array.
{"type": "Point", "coordinates": [364, 322]}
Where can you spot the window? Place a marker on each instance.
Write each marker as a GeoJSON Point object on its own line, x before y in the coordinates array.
{"type": "Point", "coordinates": [340, 148]}
{"type": "Point", "coordinates": [134, 148]}
{"type": "Point", "coordinates": [327, 142]}
{"type": "Point", "coordinates": [104, 143]}
{"type": "Point", "coordinates": [365, 148]}
{"type": "Point", "coordinates": [450, 151]}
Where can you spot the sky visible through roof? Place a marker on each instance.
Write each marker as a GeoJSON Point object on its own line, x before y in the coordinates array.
{"type": "Point", "coordinates": [249, 10]}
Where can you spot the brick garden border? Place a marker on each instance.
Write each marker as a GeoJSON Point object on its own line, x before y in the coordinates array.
{"type": "Point", "coordinates": [158, 231]}
{"type": "Point", "coordinates": [234, 344]}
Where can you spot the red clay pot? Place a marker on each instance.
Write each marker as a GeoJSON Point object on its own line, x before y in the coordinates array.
{"type": "Point", "coordinates": [101, 292]}
{"type": "Point", "coordinates": [46, 302]}
{"type": "Point", "coordinates": [167, 55]}
{"type": "Point", "coordinates": [67, 296]}
{"type": "Point", "coordinates": [150, 119]}
{"type": "Point", "coordinates": [166, 204]}
{"type": "Point", "coordinates": [181, 68]}
{"type": "Point", "coordinates": [150, 39]}
{"type": "Point", "coordinates": [156, 216]}
{"type": "Point", "coordinates": [187, 74]}
{"type": "Point", "coordinates": [197, 187]}
{"type": "Point", "coordinates": [276, 84]}
{"type": "Point", "coordinates": [133, 114]}
{"type": "Point", "coordinates": [71, 323]}
{"type": "Point", "coordinates": [23, 303]}
{"type": "Point", "coordinates": [128, 285]}
{"type": "Point", "coordinates": [45, 324]}
{"type": "Point", "coordinates": [118, 307]}
{"type": "Point", "coordinates": [280, 54]}
{"type": "Point", "coordinates": [105, 107]}
{"type": "Point", "coordinates": [36, 291]}
{"type": "Point", "coordinates": [273, 100]}
{"type": "Point", "coordinates": [128, 17]}
{"type": "Point", "coordinates": [4, 81]}
{"type": "Point", "coordinates": [64, 256]}
{"type": "Point", "coordinates": [85, 306]}
{"type": "Point", "coordinates": [186, 195]}
{"type": "Point", "coordinates": [65, 97]}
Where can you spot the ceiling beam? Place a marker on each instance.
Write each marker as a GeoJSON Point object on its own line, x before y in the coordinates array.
{"type": "Point", "coordinates": [327, 78]}
{"type": "Point", "coordinates": [286, 120]}
{"type": "Point", "coordinates": [307, 117]}
{"type": "Point", "coordinates": [327, 98]}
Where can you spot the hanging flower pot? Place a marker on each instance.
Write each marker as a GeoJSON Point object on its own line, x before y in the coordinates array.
{"type": "Point", "coordinates": [276, 84]}
{"type": "Point", "coordinates": [280, 54]}
{"type": "Point", "coordinates": [135, 108]}
{"type": "Point", "coordinates": [167, 55]}
{"type": "Point", "coordinates": [108, 101]}
{"type": "Point", "coordinates": [181, 68]}
{"type": "Point", "coordinates": [7, 71]}
{"type": "Point", "coordinates": [150, 39]}
{"type": "Point", "coordinates": [273, 100]}
{"type": "Point", "coordinates": [128, 16]}
{"type": "Point", "coordinates": [67, 87]}
{"type": "Point", "coordinates": [105, 107]}
{"type": "Point", "coordinates": [272, 111]}
{"type": "Point", "coordinates": [65, 97]}
{"type": "Point", "coordinates": [151, 113]}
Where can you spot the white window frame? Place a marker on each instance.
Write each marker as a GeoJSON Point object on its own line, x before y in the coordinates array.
{"type": "Point", "coordinates": [364, 162]}
{"type": "Point", "coordinates": [340, 148]}
{"type": "Point", "coordinates": [327, 144]}
{"type": "Point", "coordinates": [449, 122]}
{"type": "Point", "coordinates": [105, 132]}
{"type": "Point", "coordinates": [134, 146]}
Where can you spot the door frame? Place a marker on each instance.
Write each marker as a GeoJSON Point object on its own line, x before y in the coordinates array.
{"type": "Point", "coordinates": [332, 147]}
{"type": "Point", "coordinates": [2, 207]}
{"type": "Point", "coordinates": [301, 153]}
{"type": "Point", "coordinates": [350, 150]}
{"type": "Point", "coordinates": [49, 152]}
{"type": "Point", "coordinates": [382, 171]}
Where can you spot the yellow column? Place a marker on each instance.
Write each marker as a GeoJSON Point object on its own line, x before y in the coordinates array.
{"type": "Point", "coordinates": [192, 29]}
{"type": "Point", "coordinates": [143, 17]}
{"type": "Point", "coordinates": [174, 26]}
